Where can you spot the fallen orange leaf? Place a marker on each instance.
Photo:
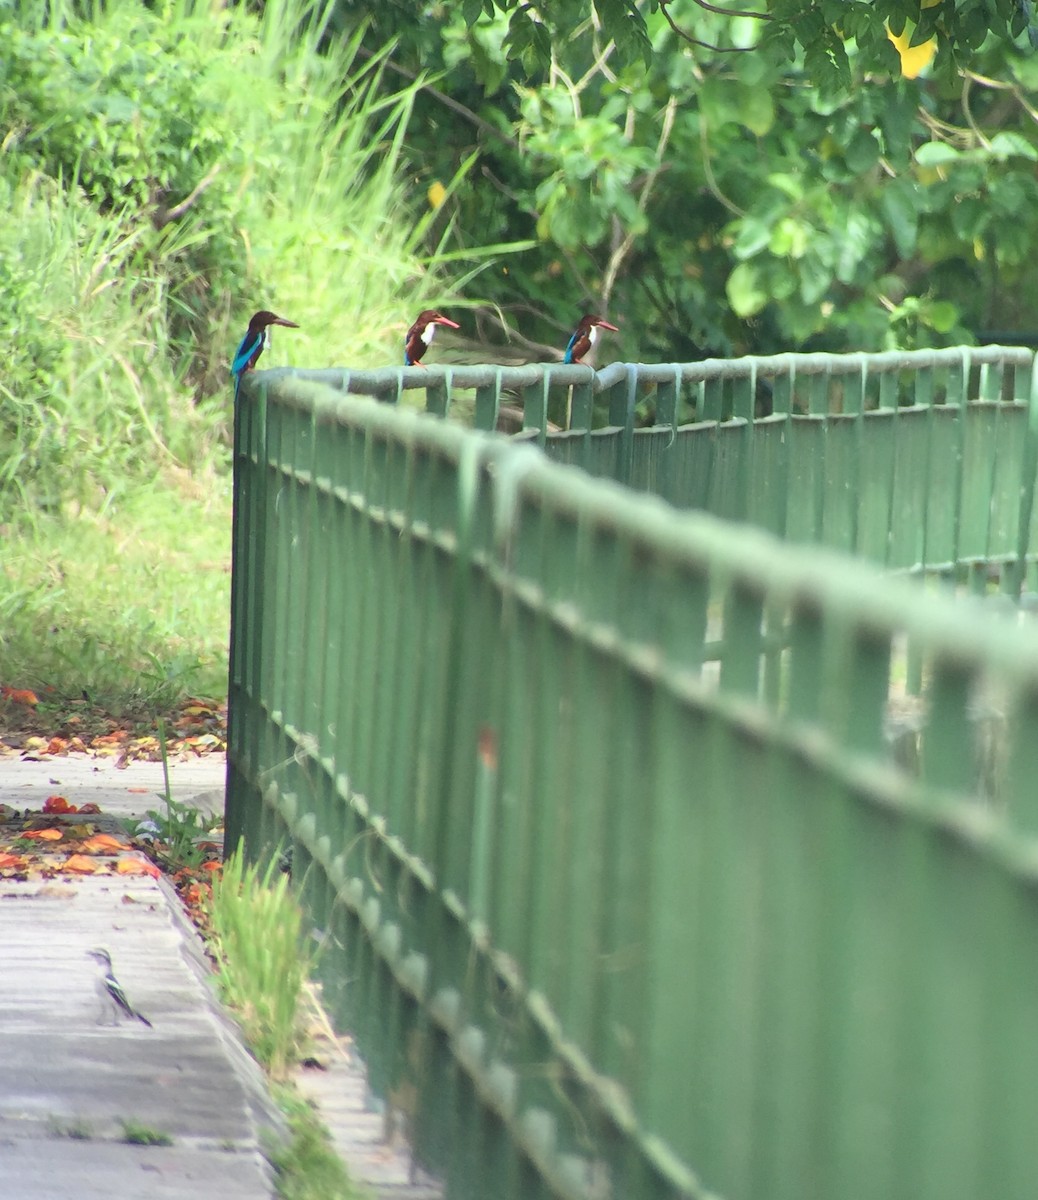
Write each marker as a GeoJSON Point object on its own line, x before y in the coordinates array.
{"type": "Point", "coordinates": [80, 864]}
{"type": "Point", "coordinates": [137, 866]}
{"type": "Point", "coordinates": [107, 739]}
{"type": "Point", "coordinates": [101, 842]}
{"type": "Point", "coordinates": [57, 745]}
{"type": "Point", "coordinates": [139, 791]}
{"type": "Point", "coordinates": [10, 860]}
{"type": "Point", "coordinates": [43, 835]}
{"type": "Point", "coordinates": [18, 695]}
{"type": "Point", "coordinates": [213, 865]}
{"type": "Point", "coordinates": [58, 804]}
{"type": "Point", "coordinates": [89, 808]}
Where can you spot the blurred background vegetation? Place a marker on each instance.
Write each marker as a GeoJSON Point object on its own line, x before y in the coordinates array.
{"type": "Point", "coordinates": [810, 174]}
{"type": "Point", "coordinates": [739, 185]}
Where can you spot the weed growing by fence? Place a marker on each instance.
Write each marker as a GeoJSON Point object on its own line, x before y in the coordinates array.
{"type": "Point", "coordinates": [263, 959]}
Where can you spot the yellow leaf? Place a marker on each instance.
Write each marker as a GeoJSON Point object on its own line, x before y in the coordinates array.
{"type": "Point", "coordinates": [437, 193]}
{"type": "Point", "coordinates": [914, 59]}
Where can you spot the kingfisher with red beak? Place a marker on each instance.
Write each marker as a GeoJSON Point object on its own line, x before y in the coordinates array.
{"type": "Point", "coordinates": [421, 334]}
{"type": "Point", "coordinates": [584, 337]}
{"type": "Point", "coordinates": [255, 341]}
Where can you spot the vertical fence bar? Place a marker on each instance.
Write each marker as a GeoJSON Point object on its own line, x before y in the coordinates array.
{"type": "Point", "coordinates": [488, 401]}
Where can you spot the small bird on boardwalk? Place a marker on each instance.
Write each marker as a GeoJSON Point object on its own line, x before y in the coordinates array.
{"type": "Point", "coordinates": [421, 334]}
{"type": "Point", "coordinates": [255, 341]}
{"type": "Point", "coordinates": [113, 998]}
{"type": "Point", "coordinates": [585, 336]}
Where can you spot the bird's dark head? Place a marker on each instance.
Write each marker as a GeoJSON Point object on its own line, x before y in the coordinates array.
{"type": "Point", "coordinates": [590, 321]}
{"type": "Point", "coordinates": [264, 318]}
{"type": "Point", "coordinates": [432, 316]}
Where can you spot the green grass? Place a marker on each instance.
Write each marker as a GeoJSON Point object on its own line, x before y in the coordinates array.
{"type": "Point", "coordinates": [256, 935]}
{"type": "Point", "coordinates": [127, 607]}
{"type": "Point", "coordinates": [76, 1131]}
{"type": "Point", "coordinates": [257, 925]}
{"type": "Point", "coordinates": [136, 1134]}
{"type": "Point", "coordinates": [119, 333]}
{"type": "Point", "coordinates": [115, 399]}
{"type": "Point", "coordinates": [307, 1167]}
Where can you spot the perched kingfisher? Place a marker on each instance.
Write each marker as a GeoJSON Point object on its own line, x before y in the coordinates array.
{"type": "Point", "coordinates": [585, 336]}
{"type": "Point", "coordinates": [255, 341]}
{"type": "Point", "coordinates": [421, 334]}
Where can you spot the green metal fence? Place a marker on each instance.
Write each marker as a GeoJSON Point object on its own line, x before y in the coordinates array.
{"type": "Point", "coordinates": [624, 891]}
{"type": "Point", "coordinates": [916, 460]}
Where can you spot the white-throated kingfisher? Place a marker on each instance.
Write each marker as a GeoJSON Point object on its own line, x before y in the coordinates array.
{"type": "Point", "coordinates": [255, 341]}
{"type": "Point", "coordinates": [421, 334]}
{"type": "Point", "coordinates": [585, 336]}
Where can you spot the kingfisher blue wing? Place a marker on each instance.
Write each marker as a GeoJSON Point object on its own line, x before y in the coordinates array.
{"type": "Point", "coordinates": [584, 337]}
{"type": "Point", "coordinates": [248, 351]}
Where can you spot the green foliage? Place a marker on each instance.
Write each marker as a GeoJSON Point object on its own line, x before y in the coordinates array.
{"type": "Point", "coordinates": [756, 186]}
{"type": "Point", "coordinates": [307, 1167]}
{"type": "Point", "coordinates": [171, 168]}
{"type": "Point", "coordinates": [87, 396]}
{"type": "Point", "coordinates": [816, 32]}
{"type": "Point", "coordinates": [257, 927]}
{"type": "Point", "coordinates": [132, 104]}
{"type": "Point", "coordinates": [181, 827]}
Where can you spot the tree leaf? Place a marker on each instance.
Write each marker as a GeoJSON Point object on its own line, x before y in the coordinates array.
{"type": "Point", "coordinates": [862, 152]}
{"type": "Point", "coordinates": [1009, 144]}
{"type": "Point", "coordinates": [756, 109]}
{"type": "Point", "coordinates": [899, 203]}
{"type": "Point", "coordinates": [935, 154]}
{"type": "Point", "coordinates": [941, 315]}
{"type": "Point", "coordinates": [745, 292]}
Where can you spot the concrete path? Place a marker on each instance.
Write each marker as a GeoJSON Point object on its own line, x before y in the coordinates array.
{"type": "Point", "coordinates": [68, 1086]}
{"type": "Point", "coordinates": [382, 1165]}
{"type": "Point", "coordinates": [123, 792]}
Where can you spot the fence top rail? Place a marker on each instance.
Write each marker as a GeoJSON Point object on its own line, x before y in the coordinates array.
{"type": "Point", "coordinates": [963, 630]}
{"type": "Point", "coordinates": [392, 381]}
